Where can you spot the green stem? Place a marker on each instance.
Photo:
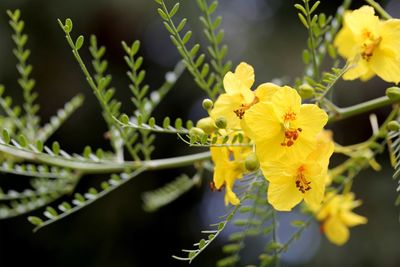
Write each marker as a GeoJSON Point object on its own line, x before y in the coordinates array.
{"type": "Point", "coordinates": [275, 237]}
{"type": "Point", "coordinates": [312, 42]}
{"type": "Point", "coordinates": [344, 113]}
{"type": "Point", "coordinates": [88, 166]}
{"type": "Point", "coordinates": [191, 65]}
{"type": "Point", "coordinates": [379, 9]}
{"type": "Point", "coordinates": [107, 114]}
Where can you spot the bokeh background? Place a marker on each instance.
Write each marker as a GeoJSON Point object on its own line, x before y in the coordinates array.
{"type": "Point", "coordinates": [115, 231]}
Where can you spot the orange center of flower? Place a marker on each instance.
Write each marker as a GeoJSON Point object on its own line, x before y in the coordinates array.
{"type": "Point", "coordinates": [290, 134]}
{"type": "Point", "coordinates": [301, 182]}
{"type": "Point", "coordinates": [369, 45]}
{"type": "Point", "coordinates": [243, 107]}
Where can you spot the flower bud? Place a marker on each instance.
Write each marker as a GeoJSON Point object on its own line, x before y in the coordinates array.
{"type": "Point", "coordinates": [221, 123]}
{"type": "Point", "coordinates": [206, 124]}
{"type": "Point", "coordinates": [393, 126]}
{"type": "Point", "coordinates": [393, 93]}
{"type": "Point", "coordinates": [196, 133]}
{"type": "Point", "coordinates": [251, 163]}
{"type": "Point", "coordinates": [306, 91]}
{"type": "Point", "coordinates": [207, 104]}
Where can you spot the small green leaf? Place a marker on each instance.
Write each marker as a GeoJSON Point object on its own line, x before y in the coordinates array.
{"type": "Point", "coordinates": [35, 220]}
{"type": "Point", "coordinates": [301, 8]}
{"type": "Point", "coordinates": [314, 7]}
{"type": "Point", "coordinates": [187, 36]}
{"type": "Point", "coordinates": [181, 25]}
{"type": "Point", "coordinates": [79, 42]}
{"type": "Point", "coordinates": [55, 148]}
{"type": "Point", "coordinates": [6, 136]}
{"type": "Point", "coordinates": [303, 20]}
{"type": "Point", "coordinates": [87, 151]}
{"type": "Point", "coordinates": [194, 50]}
{"type": "Point", "coordinates": [166, 122]}
{"type": "Point", "coordinates": [178, 123]}
{"type": "Point", "coordinates": [124, 119]}
{"type": "Point", "coordinates": [68, 25]}
{"type": "Point", "coordinates": [65, 207]}
{"type": "Point", "coordinates": [212, 7]}
{"type": "Point", "coordinates": [192, 254]}
{"type": "Point", "coordinates": [50, 213]}
{"type": "Point", "coordinates": [397, 202]}
{"type": "Point", "coordinates": [39, 145]}
{"type": "Point", "coordinates": [174, 10]}
{"type": "Point", "coordinates": [298, 224]}
{"type": "Point", "coordinates": [135, 47]}
{"type": "Point", "coordinates": [152, 122]}
{"type": "Point", "coordinates": [162, 14]}
{"type": "Point", "coordinates": [22, 141]}
{"type": "Point", "coordinates": [202, 243]}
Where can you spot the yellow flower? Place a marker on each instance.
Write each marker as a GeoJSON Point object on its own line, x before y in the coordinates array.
{"type": "Point", "coordinates": [323, 152]}
{"type": "Point", "coordinates": [283, 126]}
{"type": "Point", "coordinates": [228, 167]}
{"type": "Point", "coordinates": [373, 45]}
{"type": "Point", "coordinates": [239, 97]}
{"type": "Point", "coordinates": [336, 216]}
{"type": "Point", "coordinates": [292, 181]}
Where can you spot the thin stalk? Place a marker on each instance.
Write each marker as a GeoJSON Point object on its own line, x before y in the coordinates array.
{"type": "Point", "coordinates": [344, 113]}
{"type": "Point", "coordinates": [379, 9]}
{"type": "Point", "coordinates": [91, 167]}
{"type": "Point", "coordinates": [275, 237]}
{"type": "Point", "coordinates": [312, 42]}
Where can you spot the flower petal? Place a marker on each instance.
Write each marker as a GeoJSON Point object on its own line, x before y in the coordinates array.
{"type": "Point", "coordinates": [262, 122]}
{"type": "Point", "coordinates": [390, 33]}
{"type": "Point", "coordinates": [311, 120]}
{"type": "Point", "coordinates": [345, 43]}
{"type": "Point", "coordinates": [278, 172]}
{"type": "Point", "coordinates": [265, 91]}
{"type": "Point", "coordinates": [386, 66]}
{"type": "Point", "coordinates": [284, 197]}
{"type": "Point", "coordinates": [361, 19]}
{"type": "Point", "coordinates": [352, 219]}
{"type": "Point", "coordinates": [314, 196]}
{"type": "Point", "coordinates": [245, 73]}
{"type": "Point", "coordinates": [336, 231]}
{"type": "Point", "coordinates": [225, 106]}
{"type": "Point", "coordinates": [286, 100]}
{"type": "Point", "coordinates": [360, 69]}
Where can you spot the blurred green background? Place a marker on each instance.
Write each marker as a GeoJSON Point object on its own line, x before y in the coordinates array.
{"type": "Point", "coordinates": [115, 231]}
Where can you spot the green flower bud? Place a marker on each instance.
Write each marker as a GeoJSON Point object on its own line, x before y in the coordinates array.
{"type": "Point", "coordinates": [306, 91]}
{"type": "Point", "coordinates": [393, 126]}
{"type": "Point", "coordinates": [221, 123]}
{"type": "Point", "coordinates": [207, 125]}
{"type": "Point", "coordinates": [251, 163]}
{"type": "Point", "coordinates": [393, 93]}
{"type": "Point", "coordinates": [207, 104]}
{"type": "Point", "coordinates": [196, 133]}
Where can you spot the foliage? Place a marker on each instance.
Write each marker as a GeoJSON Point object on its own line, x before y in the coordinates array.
{"type": "Point", "coordinates": [54, 173]}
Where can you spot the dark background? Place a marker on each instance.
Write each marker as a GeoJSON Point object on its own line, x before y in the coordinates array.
{"type": "Point", "coordinates": [115, 231]}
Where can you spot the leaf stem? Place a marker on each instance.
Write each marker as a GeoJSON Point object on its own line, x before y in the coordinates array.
{"type": "Point", "coordinates": [312, 41]}
{"type": "Point", "coordinates": [379, 9]}
{"type": "Point", "coordinates": [90, 166]}
{"type": "Point", "coordinates": [344, 113]}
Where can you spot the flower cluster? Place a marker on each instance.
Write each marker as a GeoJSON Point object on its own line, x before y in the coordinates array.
{"type": "Point", "coordinates": [286, 135]}
{"type": "Point", "coordinates": [285, 138]}
{"type": "Point", "coordinates": [373, 45]}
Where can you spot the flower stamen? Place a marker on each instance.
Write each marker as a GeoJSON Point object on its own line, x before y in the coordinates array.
{"type": "Point", "coordinates": [290, 134]}
{"type": "Point", "coordinates": [301, 182]}
{"type": "Point", "coordinates": [369, 45]}
{"type": "Point", "coordinates": [243, 107]}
